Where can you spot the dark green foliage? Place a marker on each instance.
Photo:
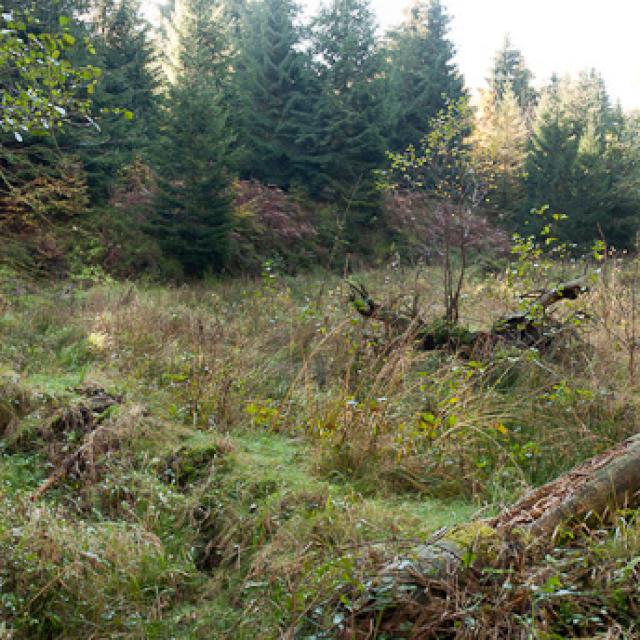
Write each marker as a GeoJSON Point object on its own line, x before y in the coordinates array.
{"type": "Point", "coordinates": [552, 153]}
{"type": "Point", "coordinates": [125, 103]}
{"type": "Point", "coordinates": [193, 220]}
{"type": "Point", "coordinates": [606, 194]}
{"type": "Point", "coordinates": [348, 137]}
{"type": "Point", "coordinates": [579, 157]}
{"type": "Point", "coordinates": [622, 159]}
{"type": "Point", "coordinates": [509, 69]}
{"type": "Point", "coordinates": [306, 111]}
{"type": "Point", "coordinates": [274, 84]}
{"type": "Point", "coordinates": [423, 75]}
{"type": "Point", "coordinates": [193, 205]}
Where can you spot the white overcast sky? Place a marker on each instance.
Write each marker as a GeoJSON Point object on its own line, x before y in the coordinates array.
{"type": "Point", "coordinates": [564, 36]}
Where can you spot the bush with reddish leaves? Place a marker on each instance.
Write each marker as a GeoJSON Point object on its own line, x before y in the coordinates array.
{"type": "Point", "coordinates": [269, 223]}
{"type": "Point", "coordinates": [422, 225]}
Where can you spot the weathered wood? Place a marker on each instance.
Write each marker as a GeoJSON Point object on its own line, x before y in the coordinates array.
{"type": "Point", "coordinates": [526, 327]}
{"type": "Point", "coordinates": [604, 483]}
{"type": "Point", "coordinates": [567, 291]}
{"type": "Point", "coordinates": [595, 488]}
{"type": "Point", "coordinates": [69, 462]}
{"type": "Point", "coordinates": [522, 328]}
{"type": "Point", "coordinates": [366, 306]}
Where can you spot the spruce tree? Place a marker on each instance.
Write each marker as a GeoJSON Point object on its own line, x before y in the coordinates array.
{"type": "Point", "coordinates": [605, 176]}
{"type": "Point", "coordinates": [592, 195]}
{"type": "Point", "coordinates": [552, 152]}
{"type": "Point", "coordinates": [424, 77]}
{"type": "Point", "coordinates": [500, 142]}
{"type": "Point", "coordinates": [587, 103]}
{"type": "Point", "coordinates": [622, 158]}
{"type": "Point", "coordinates": [510, 71]}
{"type": "Point", "coordinates": [347, 137]}
{"type": "Point", "coordinates": [579, 159]}
{"type": "Point", "coordinates": [274, 84]}
{"type": "Point", "coordinates": [125, 101]}
{"type": "Point", "coordinates": [193, 220]}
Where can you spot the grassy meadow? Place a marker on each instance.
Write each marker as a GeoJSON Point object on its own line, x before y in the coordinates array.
{"type": "Point", "coordinates": [264, 450]}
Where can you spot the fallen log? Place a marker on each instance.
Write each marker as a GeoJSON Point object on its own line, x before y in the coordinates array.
{"type": "Point", "coordinates": [605, 483]}
{"type": "Point", "coordinates": [525, 328]}
{"type": "Point", "coordinates": [592, 490]}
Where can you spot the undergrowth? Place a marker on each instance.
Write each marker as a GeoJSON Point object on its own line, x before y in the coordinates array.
{"type": "Point", "coordinates": [265, 449]}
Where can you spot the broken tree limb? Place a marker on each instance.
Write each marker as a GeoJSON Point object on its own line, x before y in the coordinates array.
{"type": "Point", "coordinates": [593, 489]}
{"type": "Point", "coordinates": [604, 483]}
{"type": "Point", "coordinates": [366, 306]}
{"type": "Point", "coordinates": [526, 326]}
{"type": "Point", "coordinates": [68, 463]}
{"type": "Point", "coordinates": [523, 328]}
{"type": "Point", "coordinates": [565, 291]}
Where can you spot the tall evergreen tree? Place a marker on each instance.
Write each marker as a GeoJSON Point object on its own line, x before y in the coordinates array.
{"type": "Point", "coordinates": [424, 77]}
{"type": "Point", "coordinates": [348, 140]}
{"type": "Point", "coordinates": [592, 197]}
{"type": "Point", "coordinates": [587, 103]}
{"type": "Point", "coordinates": [580, 157]}
{"type": "Point", "coordinates": [552, 152]}
{"type": "Point", "coordinates": [509, 70]}
{"type": "Point", "coordinates": [274, 83]}
{"type": "Point", "coordinates": [622, 157]}
{"type": "Point", "coordinates": [500, 142]}
{"type": "Point", "coordinates": [193, 220]}
{"type": "Point", "coordinates": [125, 100]}
{"type": "Point", "coordinates": [606, 178]}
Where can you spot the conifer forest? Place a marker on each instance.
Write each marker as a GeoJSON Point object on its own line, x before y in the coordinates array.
{"type": "Point", "coordinates": [304, 337]}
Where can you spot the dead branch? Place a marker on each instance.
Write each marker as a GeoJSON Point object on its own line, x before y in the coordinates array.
{"type": "Point", "coordinates": [69, 462]}
{"type": "Point", "coordinates": [366, 306]}
{"type": "Point", "coordinates": [537, 309]}
{"type": "Point", "coordinates": [522, 328]}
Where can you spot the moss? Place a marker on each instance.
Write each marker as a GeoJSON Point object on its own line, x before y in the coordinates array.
{"type": "Point", "coordinates": [473, 535]}
{"type": "Point", "coordinates": [191, 462]}
{"type": "Point", "coordinates": [441, 333]}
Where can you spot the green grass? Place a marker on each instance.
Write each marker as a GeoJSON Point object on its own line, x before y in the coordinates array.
{"type": "Point", "coordinates": [268, 454]}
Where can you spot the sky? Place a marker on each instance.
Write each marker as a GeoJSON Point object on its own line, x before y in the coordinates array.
{"type": "Point", "coordinates": [562, 36]}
